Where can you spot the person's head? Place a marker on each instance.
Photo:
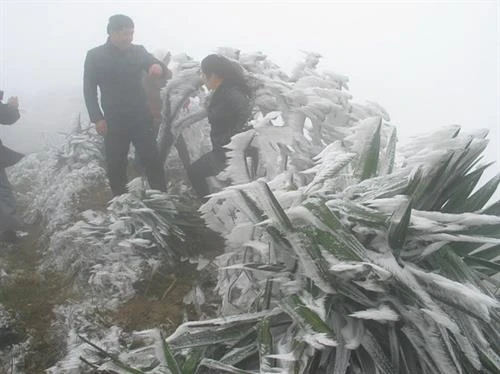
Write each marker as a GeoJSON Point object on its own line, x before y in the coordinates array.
{"type": "Point", "coordinates": [121, 30]}
{"type": "Point", "coordinates": [217, 69]}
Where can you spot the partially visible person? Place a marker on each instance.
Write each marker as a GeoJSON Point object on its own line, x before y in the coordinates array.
{"type": "Point", "coordinates": [229, 110]}
{"type": "Point", "coordinates": [117, 68]}
{"type": "Point", "coordinates": [9, 222]}
{"type": "Point", "coordinates": [152, 86]}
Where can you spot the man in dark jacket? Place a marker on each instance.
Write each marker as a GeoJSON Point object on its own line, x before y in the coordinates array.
{"type": "Point", "coordinates": [117, 68]}
{"type": "Point", "coordinates": [9, 113]}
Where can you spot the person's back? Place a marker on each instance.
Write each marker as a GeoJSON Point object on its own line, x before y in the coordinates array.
{"type": "Point", "coordinates": [228, 113]}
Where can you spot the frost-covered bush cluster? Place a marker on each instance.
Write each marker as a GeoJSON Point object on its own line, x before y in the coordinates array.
{"type": "Point", "coordinates": [102, 247]}
{"type": "Point", "coordinates": [51, 184]}
{"type": "Point", "coordinates": [345, 253]}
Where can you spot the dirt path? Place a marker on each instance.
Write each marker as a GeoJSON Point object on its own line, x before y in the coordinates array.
{"type": "Point", "coordinates": [159, 300]}
{"type": "Point", "coordinates": [31, 296]}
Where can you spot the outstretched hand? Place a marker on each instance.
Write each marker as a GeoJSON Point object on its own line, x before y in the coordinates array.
{"type": "Point", "coordinates": [155, 70]}
{"type": "Point", "coordinates": [13, 102]}
{"type": "Point", "coordinates": [101, 127]}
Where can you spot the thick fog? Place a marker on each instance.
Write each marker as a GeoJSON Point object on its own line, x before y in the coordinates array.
{"type": "Point", "coordinates": [429, 64]}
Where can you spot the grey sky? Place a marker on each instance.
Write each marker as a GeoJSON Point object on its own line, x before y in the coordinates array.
{"type": "Point", "coordinates": [428, 63]}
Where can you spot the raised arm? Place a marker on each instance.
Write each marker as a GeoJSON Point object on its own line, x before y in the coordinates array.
{"type": "Point", "coordinates": [154, 67]}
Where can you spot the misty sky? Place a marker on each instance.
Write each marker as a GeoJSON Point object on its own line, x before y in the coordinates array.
{"type": "Point", "coordinates": [429, 64]}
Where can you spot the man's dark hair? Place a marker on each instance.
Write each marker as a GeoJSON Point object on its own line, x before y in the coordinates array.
{"type": "Point", "coordinates": [119, 22]}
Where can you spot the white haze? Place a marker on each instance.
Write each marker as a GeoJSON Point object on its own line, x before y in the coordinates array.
{"type": "Point", "coordinates": [428, 64]}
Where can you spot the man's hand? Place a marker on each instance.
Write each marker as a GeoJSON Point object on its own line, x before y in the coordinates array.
{"type": "Point", "coordinates": [101, 127]}
{"type": "Point", "coordinates": [155, 70]}
{"type": "Point", "coordinates": [13, 102]}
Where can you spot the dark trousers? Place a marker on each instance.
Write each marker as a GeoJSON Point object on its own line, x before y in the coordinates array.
{"type": "Point", "coordinates": [138, 130]}
{"type": "Point", "coordinates": [8, 218]}
{"type": "Point", "coordinates": [210, 164]}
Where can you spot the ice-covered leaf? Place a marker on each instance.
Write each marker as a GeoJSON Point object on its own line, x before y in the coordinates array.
{"type": "Point", "coordinates": [382, 313]}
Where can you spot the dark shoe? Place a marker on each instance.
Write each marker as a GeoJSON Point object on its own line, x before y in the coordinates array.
{"type": "Point", "coordinates": [10, 237]}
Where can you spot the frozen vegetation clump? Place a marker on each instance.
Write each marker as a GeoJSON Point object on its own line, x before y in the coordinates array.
{"type": "Point", "coordinates": [345, 252]}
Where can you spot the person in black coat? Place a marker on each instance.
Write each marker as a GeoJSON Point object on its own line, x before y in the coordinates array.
{"type": "Point", "coordinates": [117, 68]}
{"type": "Point", "coordinates": [228, 110]}
{"type": "Point", "coordinates": [9, 114]}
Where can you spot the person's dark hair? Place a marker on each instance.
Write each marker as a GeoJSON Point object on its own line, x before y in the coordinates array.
{"type": "Point", "coordinates": [228, 70]}
{"type": "Point", "coordinates": [119, 22]}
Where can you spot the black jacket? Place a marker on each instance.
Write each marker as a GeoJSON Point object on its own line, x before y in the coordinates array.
{"type": "Point", "coordinates": [228, 112]}
{"type": "Point", "coordinates": [8, 115]}
{"type": "Point", "coordinates": [118, 73]}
